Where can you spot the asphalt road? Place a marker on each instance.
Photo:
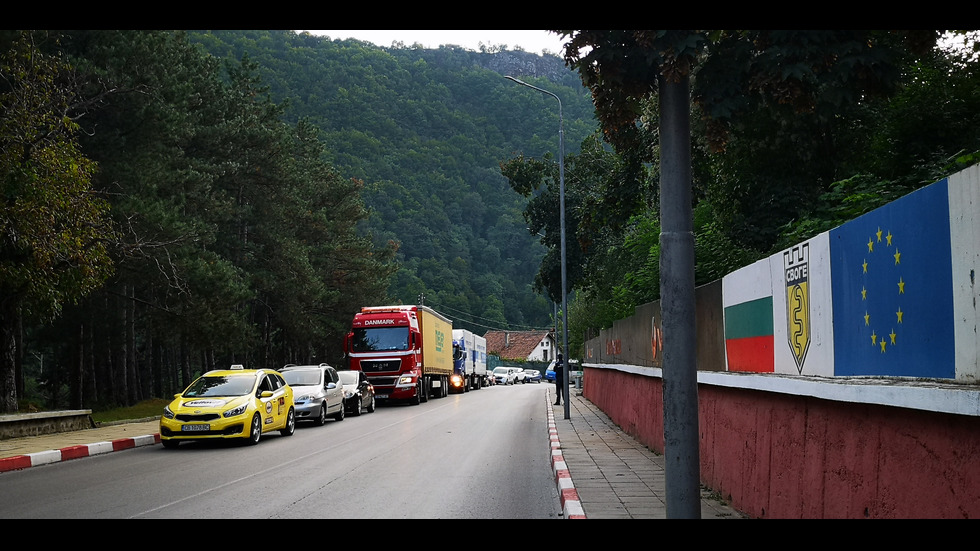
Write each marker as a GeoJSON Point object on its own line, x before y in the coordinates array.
{"type": "Point", "coordinates": [480, 455]}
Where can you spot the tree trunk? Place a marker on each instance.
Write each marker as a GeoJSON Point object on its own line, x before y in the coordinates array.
{"type": "Point", "coordinates": [119, 355]}
{"type": "Point", "coordinates": [90, 382]}
{"type": "Point", "coordinates": [185, 366]}
{"type": "Point", "coordinates": [19, 353]}
{"type": "Point", "coordinates": [132, 371]}
{"type": "Point", "coordinates": [75, 380]}
{"type": "Point", "coordinates": [8, 355]}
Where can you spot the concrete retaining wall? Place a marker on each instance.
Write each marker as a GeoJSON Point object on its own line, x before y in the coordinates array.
{"type": "Point", "coordinates": [48, 422]}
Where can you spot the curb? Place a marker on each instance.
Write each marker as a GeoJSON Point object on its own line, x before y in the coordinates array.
{"type": "Point", "coordinates": [570, 503]}
{"type": "Point", "coordinates": [75, 452]}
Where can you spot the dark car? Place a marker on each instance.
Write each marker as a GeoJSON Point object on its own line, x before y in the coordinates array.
{"type": "Point", "coordinates": [358, 392]}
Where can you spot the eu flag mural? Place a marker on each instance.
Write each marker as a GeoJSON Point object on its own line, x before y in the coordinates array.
{"type": "Point", "coordinates": [892, 289]}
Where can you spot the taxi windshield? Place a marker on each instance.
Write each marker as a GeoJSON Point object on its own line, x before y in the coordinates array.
{"type": "Point", "coordinates": [237, 385]}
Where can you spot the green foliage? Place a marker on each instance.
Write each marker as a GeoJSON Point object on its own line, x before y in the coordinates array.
{"type": "Point", "coordinates": [715, 253]}
{"type": "Point", "coordinates": [53, 230]}
{"type": "Point", "coordinates": [794, 133]}
{"type": "Point", "coordinates": [238, 242]}
{"type": "Point", "coordinates": [426, 130]}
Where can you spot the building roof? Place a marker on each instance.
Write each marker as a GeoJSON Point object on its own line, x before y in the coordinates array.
{"type": "Point", "coordinates": [514, 344]}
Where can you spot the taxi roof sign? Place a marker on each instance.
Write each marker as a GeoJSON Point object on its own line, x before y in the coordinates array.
{"type": "Point", "coordinates": [237, 366]}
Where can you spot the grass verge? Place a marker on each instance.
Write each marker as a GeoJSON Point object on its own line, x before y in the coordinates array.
{"type": "Point", "coordinates": [142, 410]}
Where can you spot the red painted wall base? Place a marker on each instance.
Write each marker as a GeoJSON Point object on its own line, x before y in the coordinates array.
{"type": "Point", "coordinates": [781, 456]}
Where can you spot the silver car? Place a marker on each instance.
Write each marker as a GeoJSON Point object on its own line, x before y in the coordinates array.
{"type": "Point", "coordinates": [520, 377]}
{"type": "Point", "coordinates": [503, 375]}
{"type": "Point", "coordinates": [317, 392]}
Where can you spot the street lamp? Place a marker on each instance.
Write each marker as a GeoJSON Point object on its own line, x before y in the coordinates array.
{"type": "Point", "coordinates": [561, 200]}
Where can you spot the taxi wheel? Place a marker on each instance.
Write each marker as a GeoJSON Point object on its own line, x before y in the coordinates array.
{"type": "Point", "coordinates": [340, 414]}
{"type": "Point", "coordinates": [356, 409]}
{"type": "Point", "coordinates": [290, 427]}
{"type": "Point", "coordinates": [170, 444]}
{"type": "Point", "coordinates": [255, 431]}
{"type": "Point", "coordinates": [372, 405]}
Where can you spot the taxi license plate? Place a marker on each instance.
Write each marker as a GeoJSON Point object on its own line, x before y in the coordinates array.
{"type": "Point", "coordinates": [195, 428]}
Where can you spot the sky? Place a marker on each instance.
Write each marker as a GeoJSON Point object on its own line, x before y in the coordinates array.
{"type": "Point", "coordinates": [529, 41]}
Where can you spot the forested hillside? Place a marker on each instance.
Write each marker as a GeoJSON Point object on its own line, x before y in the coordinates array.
{"type": "Point", "coordinates": [179, 201]}
{"type": "Point", "coordinates": [426, 131]}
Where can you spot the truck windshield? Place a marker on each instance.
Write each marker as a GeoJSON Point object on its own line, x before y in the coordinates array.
{"type": "Point", "coordinates": [379, 339]}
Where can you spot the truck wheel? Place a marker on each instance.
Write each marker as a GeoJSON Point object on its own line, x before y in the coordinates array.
{"type": "Point", "coordinates": [423, 391]}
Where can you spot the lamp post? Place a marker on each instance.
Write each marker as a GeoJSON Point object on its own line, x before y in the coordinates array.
{"type": "Point", "coordinates": [561, 210]}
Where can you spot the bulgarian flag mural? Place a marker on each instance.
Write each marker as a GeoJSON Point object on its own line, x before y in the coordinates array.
{"type": "Point", "coordinates": [747, 296]}
{"type": "Point", "coordinates": [778, 315]}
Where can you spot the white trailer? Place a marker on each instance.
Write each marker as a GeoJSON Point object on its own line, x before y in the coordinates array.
{"type": "Point", "coordinates": [470, 359]}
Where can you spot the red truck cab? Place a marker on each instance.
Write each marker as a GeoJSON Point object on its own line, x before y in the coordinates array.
{"type": "Point", "coordinates": [403, 350]}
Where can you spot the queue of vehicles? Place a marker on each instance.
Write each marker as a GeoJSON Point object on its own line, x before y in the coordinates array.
{"type": "Point", "coordinates": [402, 352]}
{"type": "Point", "coordinates": [508, 375]}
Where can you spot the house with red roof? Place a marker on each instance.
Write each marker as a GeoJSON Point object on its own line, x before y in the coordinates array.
{"type": "Point", "coordinates": [531, 346]}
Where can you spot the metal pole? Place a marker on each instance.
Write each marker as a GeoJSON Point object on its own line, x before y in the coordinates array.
{"type": "Point", "coordinates": [677, 299]}
{"type": "Point", "coordinates": [561, 194]}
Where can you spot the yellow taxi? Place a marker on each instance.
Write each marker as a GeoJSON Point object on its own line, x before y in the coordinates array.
{"type": "Point", "coordinates": [230, 403]}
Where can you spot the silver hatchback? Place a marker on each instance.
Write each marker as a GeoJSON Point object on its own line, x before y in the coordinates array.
{"type": "Point", "coordinates": [317, 392]}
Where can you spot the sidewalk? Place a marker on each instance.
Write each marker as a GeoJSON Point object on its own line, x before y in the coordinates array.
{"type": "Point", "coordinates": [603, 473]}
{"type": "Point", "coordinates": [31, 451]}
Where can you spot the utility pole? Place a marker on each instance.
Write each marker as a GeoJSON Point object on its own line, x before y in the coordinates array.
{"type": "Point", "coordinates": [680, 379]}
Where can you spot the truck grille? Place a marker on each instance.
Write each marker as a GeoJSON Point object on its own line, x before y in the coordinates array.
{"type": "Point", "coordinates": [377, 366]}
{"type": "Point", "coordinates": [383, 381]}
